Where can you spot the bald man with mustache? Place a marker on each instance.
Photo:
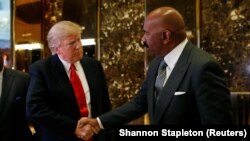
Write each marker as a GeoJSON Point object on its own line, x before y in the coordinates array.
{"type": "Point", "coordinates": [195, 90]}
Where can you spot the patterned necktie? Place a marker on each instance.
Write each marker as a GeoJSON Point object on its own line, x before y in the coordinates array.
{"type": "Point", "coordinates": [79, 91]}
{"type": "Point", "coordinates": [161, 75]}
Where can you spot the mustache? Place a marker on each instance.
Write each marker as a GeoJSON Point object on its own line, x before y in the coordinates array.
{"type": "Point", "coordinates": [144, 44]}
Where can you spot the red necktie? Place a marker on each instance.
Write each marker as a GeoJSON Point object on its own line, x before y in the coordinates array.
{"type": "Point", "coordinates": [79, 91]}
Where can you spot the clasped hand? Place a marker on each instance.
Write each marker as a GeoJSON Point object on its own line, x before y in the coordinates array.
{"type": "Point", "coordinates": [86, 128]}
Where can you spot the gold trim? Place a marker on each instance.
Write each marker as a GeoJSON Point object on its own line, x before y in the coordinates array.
{"type": "Point", "coordinates": [197, 5]}
{"type": "Point", "coordinates": [98, 24]}
{"type": "Point", "coordinates": [13, 43]}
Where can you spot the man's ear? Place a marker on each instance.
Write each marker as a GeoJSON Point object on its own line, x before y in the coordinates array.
{"type": "Point", "coordinates": [166, 35]}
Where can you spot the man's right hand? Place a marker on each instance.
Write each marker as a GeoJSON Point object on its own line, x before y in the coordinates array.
{"type": "Point", "coordinates": [86, 128]}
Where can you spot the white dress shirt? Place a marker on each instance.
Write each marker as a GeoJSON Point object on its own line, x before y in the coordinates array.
{"type": "Point", "coordinates": [172, 57]}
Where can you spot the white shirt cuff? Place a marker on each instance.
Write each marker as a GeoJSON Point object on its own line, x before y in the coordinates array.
{"type": "Point", "coordinates": [100, 123]}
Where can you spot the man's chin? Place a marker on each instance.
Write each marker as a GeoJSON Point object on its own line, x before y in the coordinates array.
{"type": "Point", "coordinates": [149, 53]}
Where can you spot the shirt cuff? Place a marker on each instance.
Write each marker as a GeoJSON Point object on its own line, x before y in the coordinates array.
{"type": "Point", "coordinates": [100, 123]}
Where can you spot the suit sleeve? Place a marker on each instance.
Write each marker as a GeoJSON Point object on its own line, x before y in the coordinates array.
{"type": "Point", "coordinates": [39, 108]}
{"type": "Point", "coordinates": [212, 94]}
{"type": "Point", "coordinates": [128, 111]}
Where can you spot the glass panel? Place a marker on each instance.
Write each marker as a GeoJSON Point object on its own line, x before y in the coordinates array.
{"type": "Point", "coordinates": [5, 30]}
{"type": "Point", "coordinates": [28, 33]}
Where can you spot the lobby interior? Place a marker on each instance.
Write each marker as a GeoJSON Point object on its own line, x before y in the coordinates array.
{"type": "Point", "coordinates": [112, 32]}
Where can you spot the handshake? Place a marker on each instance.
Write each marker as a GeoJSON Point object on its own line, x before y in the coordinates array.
{"type": "Point", "coordinates": [86, 128]}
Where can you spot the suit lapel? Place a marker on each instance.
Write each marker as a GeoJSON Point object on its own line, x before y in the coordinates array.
{"type": "Point", "coordinates": [63, 81]}
{"type": "Point", "coordinates": [151, 90]}
{"type": "Point", "coordinates": [172, 83]}
{"type": "Point", "coordinates": [87, 71]}
{"type": "Point", "coordinates": [89, 74]}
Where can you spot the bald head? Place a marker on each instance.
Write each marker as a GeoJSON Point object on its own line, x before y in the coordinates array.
{"type": "Point", "coordinates": [167, 17]}
{"type": "Point", "coordinates": [164, 29]}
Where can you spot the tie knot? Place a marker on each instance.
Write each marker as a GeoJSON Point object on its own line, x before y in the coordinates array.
{"type": "Point", "coordinates": [72, 67]}
{"type": "Point", "coordinates": [163, 65]}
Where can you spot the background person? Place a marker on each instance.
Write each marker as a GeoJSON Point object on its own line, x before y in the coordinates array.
{"type": "Point", "coordinates": [13, 89]}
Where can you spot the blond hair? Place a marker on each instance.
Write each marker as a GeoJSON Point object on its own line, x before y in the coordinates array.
{"type": "Point", "coordinates": [59, 31]}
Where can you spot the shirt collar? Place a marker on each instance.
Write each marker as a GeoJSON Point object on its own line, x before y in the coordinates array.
{"type": "Point", "coordinates": [172, 57]}
{"type": "Point", "coordinates": [66, 65]}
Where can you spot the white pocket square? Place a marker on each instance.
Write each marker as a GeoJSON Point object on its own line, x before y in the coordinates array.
{"type": "Point", "coordinates": [179, 93]}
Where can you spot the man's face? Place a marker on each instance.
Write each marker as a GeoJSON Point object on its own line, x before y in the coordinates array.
{"type": "Point", "coordinates": [70, 49]}
{"type": "Point", "coordinates": [153, 37]}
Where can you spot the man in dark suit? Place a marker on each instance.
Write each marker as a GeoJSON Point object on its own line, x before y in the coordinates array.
{"type": "Point", "coordinates": [195, 90]}
{"type": "Point", "coordinates": [13, 90]}
{"type": "Point", "coordinates": [51, 102]}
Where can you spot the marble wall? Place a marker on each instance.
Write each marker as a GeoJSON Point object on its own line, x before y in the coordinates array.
{"type": "Point", "coordinates": [225, 32]}
{"type": "Point", "coordinates": [122, 55]}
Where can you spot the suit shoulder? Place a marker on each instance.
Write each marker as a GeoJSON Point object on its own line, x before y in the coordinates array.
{"type": "Point", "coordinates": [18, 73]}
{"type": "Point", "coordinates": [203, 55]}
{"type": "Point", "coordinates": [90, 60]}
{"type": "Point", "coordinates": [153, 61]}
{"type": "Point", "coordinates": [42, 63]}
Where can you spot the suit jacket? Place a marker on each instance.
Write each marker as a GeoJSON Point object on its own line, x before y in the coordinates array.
{"type": "Point", "coordinates": [51, 103]}
{"type": "Point", "coordinates": [13, 123]}
{"type": "Point", "coordinates": [195, 93]}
